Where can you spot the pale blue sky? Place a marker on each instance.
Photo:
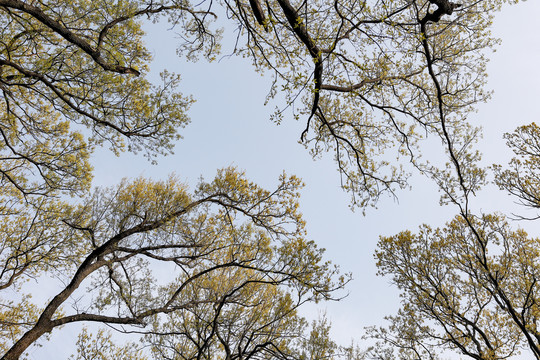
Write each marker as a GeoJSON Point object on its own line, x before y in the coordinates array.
{"type": "Point", "coordinates": [230, 126]}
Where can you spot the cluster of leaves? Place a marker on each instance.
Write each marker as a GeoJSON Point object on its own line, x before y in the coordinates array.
{"type": "Point", "coordinates": [59, 68]}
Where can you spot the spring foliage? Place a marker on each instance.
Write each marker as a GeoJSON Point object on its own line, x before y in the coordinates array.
{"type": "Point", "coordinates": [237, 260]}
{"type": "Point", "coordinates": [371, 79]}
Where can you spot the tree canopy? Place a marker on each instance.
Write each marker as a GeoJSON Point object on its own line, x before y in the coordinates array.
{"type": "Point", "coordinates": [371, 79]}
{"type": "Point", "coordinates": [471, 286]}
{"type": "Point", "coordinates": [233, 248]}
{"type": "Point", "coordinates": [375, 78]}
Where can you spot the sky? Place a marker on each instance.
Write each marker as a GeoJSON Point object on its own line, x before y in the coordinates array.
{"type": "Point", "coordinates": [231, 126]}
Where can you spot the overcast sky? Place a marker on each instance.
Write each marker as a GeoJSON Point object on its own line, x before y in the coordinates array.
{"type": "Point", "coordinates": [231, 126]}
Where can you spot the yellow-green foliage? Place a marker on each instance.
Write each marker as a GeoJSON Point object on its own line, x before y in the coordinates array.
{"type": "Point", "coordinates": [235, 256]}
{"type": "Point", "coordinates": [470, 286]}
